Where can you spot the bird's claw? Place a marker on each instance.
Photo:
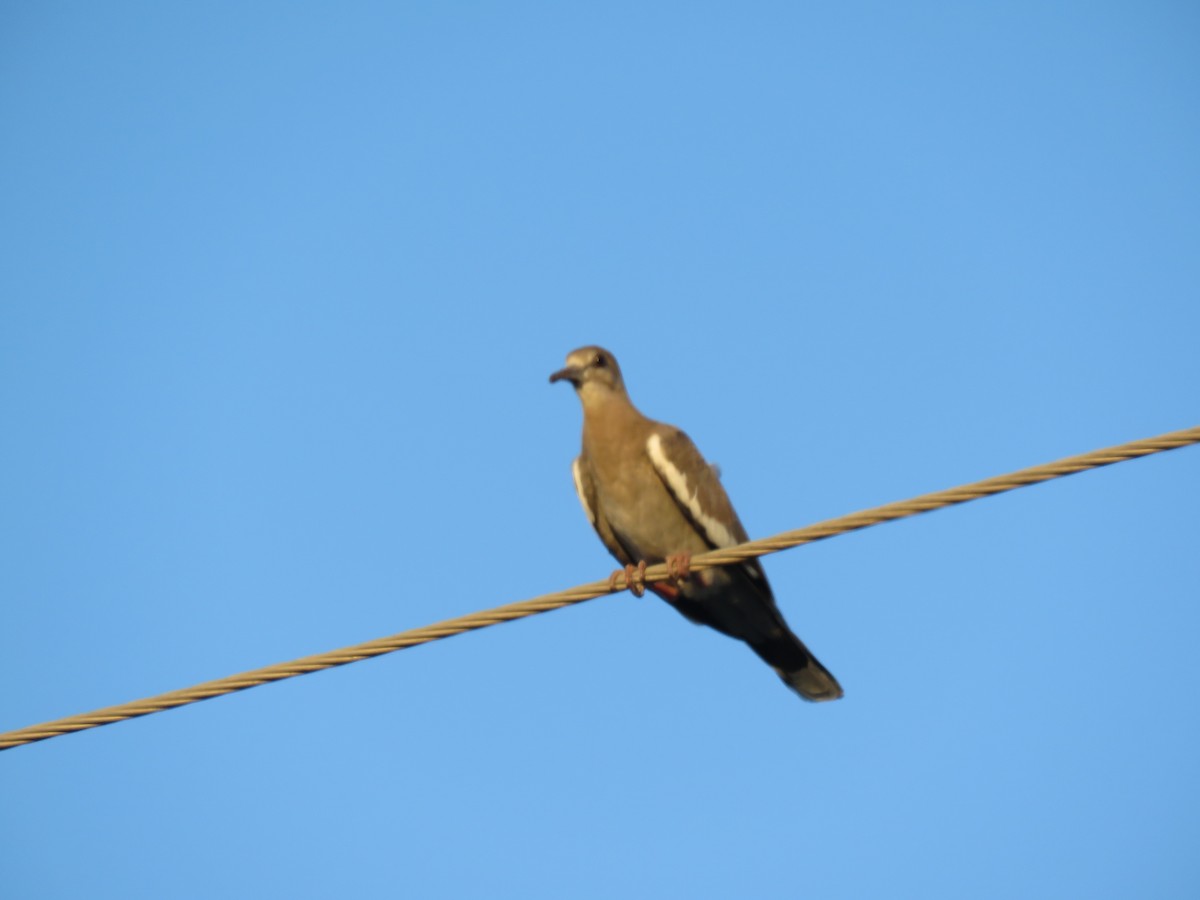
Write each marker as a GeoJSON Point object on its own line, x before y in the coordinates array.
{"type": "Point", "coordinates": [679, 566]}
{"type": "Point", "coordinates": [635, 579]}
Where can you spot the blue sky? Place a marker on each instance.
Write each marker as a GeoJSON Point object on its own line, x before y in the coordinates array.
{"type": "Point", "coordinates": [281, 286]}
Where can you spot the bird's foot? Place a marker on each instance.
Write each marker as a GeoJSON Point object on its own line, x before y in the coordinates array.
{"type": "Point", "coordinates": [635, 578]}
{"type": "Point", "coordinates": [679, 567]}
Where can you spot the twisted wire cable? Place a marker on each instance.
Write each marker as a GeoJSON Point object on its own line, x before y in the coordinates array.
{"type": "Point", "coordinates": [820, 531]}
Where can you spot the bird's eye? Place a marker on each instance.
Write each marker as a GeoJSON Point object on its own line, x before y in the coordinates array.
{"type": "Point", "coordinates": [598, 361]}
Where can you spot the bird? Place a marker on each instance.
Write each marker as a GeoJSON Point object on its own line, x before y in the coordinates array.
{"type": "Point", "coordinates": [653, 498]}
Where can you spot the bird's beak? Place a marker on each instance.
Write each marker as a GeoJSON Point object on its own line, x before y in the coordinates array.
{"type": "Point", "coordinates": [573, 374]}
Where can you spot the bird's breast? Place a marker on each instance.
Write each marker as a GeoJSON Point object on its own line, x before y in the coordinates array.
{"type": "Point", "coordinates": [639, 507]}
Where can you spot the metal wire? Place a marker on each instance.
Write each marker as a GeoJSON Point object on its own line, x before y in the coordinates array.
{"type": "Point", "coordinates": [820, 531]}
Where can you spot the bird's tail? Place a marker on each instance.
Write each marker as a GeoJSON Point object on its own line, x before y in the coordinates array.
{"type": "Point", "coordinates": [799, 669]}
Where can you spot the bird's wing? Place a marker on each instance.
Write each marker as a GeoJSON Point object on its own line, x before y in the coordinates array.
{"type": "Point", "coordinates": [694, 486]}
{"type": "Point", "coordinates": [585, 487]}
{"type": "Point", "coordinates": [739, 602]}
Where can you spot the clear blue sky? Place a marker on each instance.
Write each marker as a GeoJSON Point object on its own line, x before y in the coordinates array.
{"type": "Point", "coordinates": [280, 288]}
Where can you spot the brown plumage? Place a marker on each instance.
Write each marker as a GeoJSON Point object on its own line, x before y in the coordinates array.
{"type": "Point", "coordinates": [650, 495]}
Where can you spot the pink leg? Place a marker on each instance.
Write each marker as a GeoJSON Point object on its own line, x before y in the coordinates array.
{"type": "Point", "coordinates": [679, 566]}
{"type": "Point", "coordinates": [635, 578]}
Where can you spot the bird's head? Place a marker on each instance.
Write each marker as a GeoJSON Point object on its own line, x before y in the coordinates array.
{"type": "Point", "coordinates": [593, 371]}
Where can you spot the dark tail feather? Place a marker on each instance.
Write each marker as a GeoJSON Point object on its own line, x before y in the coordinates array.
{"type": "Point", "coordinates": [799, 669]}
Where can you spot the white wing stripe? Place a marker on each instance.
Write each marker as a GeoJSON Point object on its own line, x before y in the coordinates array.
{"type": "Point", "coordinates": [716, 532]}
{"type": "Point", "coordinates": [578, 476]}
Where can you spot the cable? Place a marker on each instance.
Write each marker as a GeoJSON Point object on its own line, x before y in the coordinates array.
{"type": "Point", "coordinates": [820, 531]}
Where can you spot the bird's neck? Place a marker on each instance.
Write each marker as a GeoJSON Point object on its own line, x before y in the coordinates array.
{"type": "Point", "coordinates": [607, 416]}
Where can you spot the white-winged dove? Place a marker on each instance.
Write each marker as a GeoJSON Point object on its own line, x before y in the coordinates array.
{"type": "Point", "coordinates": [652, 498]}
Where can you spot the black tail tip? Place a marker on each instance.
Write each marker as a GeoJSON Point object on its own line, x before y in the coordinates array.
{"type": "Point", "coordinates": [813, 683]}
